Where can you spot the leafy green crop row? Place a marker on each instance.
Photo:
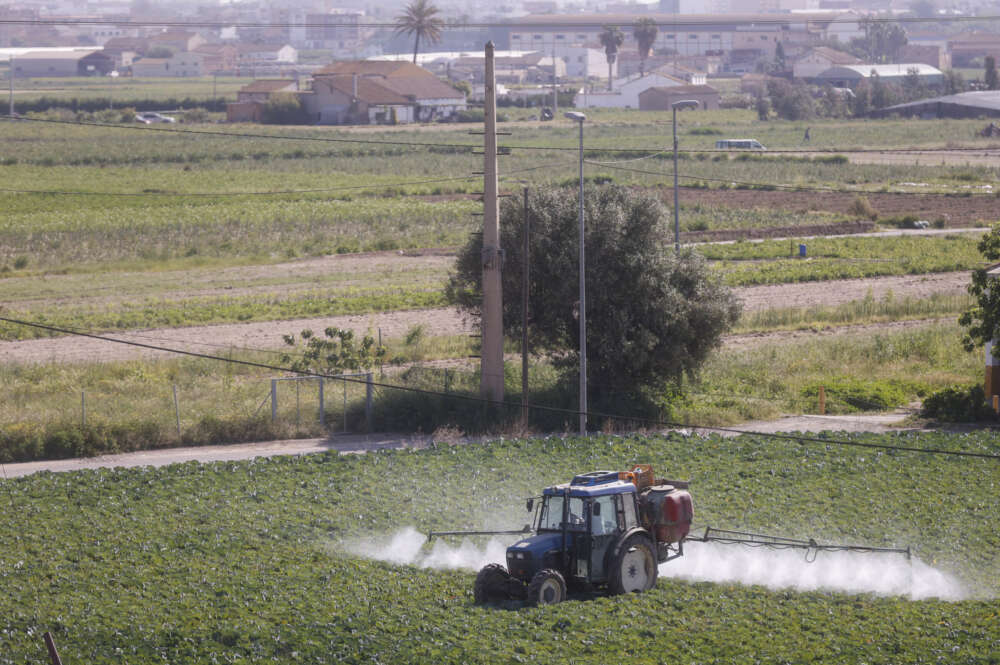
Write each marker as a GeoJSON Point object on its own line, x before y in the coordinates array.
{"type": "Point", "coordinates": [241, 562]}
{"type": "Point", "coordinates": [768, 262]}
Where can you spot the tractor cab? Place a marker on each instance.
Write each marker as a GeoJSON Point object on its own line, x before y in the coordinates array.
{"type": "Point", "coordinates": [575, 525]}
{"type": "Point", "coordinates": [603, 529]}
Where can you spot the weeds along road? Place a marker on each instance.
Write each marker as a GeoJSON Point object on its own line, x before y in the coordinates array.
{"type": "Point", "coordinates": [218, 339]}
{"type": "Point", "coordinates": [356, 444]}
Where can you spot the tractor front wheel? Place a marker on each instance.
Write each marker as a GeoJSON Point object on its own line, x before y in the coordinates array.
{"type": "Point", "coordinates": [492, 584]}
{"type": "Point", "coordinates": [547, 587]}
{"type": "Point", "coordinates": [634, 567]}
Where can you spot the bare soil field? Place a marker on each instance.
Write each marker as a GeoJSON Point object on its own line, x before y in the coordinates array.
{"type": "Point", "coordinates": [444, 321]}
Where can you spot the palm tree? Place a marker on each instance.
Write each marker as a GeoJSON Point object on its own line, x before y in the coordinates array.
{"type": "Point", "coordinates": [644, 30]}
{"type": "Point", "coordinates": [419, 18]}
{"type": "Point", "coordinates": [611, 39]}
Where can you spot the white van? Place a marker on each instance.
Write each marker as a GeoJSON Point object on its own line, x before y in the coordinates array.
{"type": "Point", "coordinates": [739, 144]}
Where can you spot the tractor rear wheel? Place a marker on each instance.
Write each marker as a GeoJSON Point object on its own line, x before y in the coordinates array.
{"type": "Point", "coordinates": [491, 585]}
{"type": "Point", "coordinates": [634, 568]}
{"type": "Point", "coordinates": [547, 587]}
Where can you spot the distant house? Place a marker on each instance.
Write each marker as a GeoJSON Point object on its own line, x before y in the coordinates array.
{"type": "Point", "coordinates": [375, 92]}
{"type": "Point", "coordinates": [261, 91]}
{"type": "Point", "coordinates": [661, 99]}
{"type": "Point", "coordinates": [177, 41]}
{"type": "Point", "coordinates": [625, 92]}
{"type": "Point", "coordinates": [247, 54]}
{"type": "Point", "coordinates": [116, 46]}
{"type": "Point", "coordinates": [971, 48]}
{"type": "Point", "coordinates": [37, 64]}
{"type": "Point", "coordinates": [927, 54]}
{"type": "Point", "coordinates": [218, 57]}
{"type": "Point", "coordinates": [251, 99]}
{"type": "Point", "coordinates": [180, 65]}
{"type": "Point", "coordinates": [820, 59]}
{"type": "Point", "coordinates": [848, 76]}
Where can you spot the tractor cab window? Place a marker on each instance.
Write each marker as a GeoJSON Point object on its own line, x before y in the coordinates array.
{"type": "Point", "coordinates": [603, 516]}
{"type": "Point", "coordinates": [551, 516]}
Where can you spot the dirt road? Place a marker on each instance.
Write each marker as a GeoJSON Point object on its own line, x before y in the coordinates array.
{"type": "Point", "coordinates": [359, 444]}
{"type": "Point", "coordinates": [268, 335]}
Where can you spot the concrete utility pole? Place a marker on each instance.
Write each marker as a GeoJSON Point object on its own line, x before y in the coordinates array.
{"type": "Point", "coordinates": [491, 382]}
{"type": "Point", "coordinates": [10, 75]}
{"type": "Point", "coordinates": [681, 104]}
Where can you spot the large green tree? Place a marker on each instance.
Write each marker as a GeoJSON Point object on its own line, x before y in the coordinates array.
{"type": "Point", "coordinates": [420, 18]}
{"type": "Point", "coordinates": [644, 30]}
{"type": "Point", "coordinates": [882, 42]}
{"type": "Point", "coordinates": [982, 321]}
{"type": "Point", "coordinates": [652, 315]}
{"type": "Point", "coordinates": [611, 39]}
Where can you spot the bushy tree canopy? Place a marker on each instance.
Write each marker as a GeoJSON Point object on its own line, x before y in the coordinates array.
{"type": "Point", "coordinates": [652, 315]}
{"type": "Point", "coordinates": [982, 321]}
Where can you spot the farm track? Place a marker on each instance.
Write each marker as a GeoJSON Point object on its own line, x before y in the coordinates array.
{"type": "Point", "coordinates": [219, 339]}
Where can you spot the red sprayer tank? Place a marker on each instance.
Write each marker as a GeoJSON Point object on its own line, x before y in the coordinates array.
{"type": "Point", "coordinates": [668, 511]}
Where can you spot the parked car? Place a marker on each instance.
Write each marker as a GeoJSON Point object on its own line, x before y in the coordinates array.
{"type": "Point", "coordinates": [150, 118]}
{"type": "Point", "coordinates": [739, 144]}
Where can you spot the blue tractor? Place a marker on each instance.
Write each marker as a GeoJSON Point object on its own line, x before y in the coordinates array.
{"type": "Point", "coordinates": [609, 530]}
{"type": "Point", "coordinates": [603, 529]}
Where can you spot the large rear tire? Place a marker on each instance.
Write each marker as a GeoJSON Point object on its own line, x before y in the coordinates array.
{"type": "Point", "coordinates": [634, 568]}
{"type": "Point", "coordinates": [547, 587]}
{"type": "Point", "coordinates": [492, 584]}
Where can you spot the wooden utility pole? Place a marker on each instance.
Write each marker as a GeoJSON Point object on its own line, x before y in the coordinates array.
{"type": "Point", "coordinates": [491, 382]}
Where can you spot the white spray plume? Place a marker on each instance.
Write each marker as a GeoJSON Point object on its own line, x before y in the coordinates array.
{"type": "Point", "coordinates": [881, 574]}
{"type": "Point", "coordinates": [407, 547]}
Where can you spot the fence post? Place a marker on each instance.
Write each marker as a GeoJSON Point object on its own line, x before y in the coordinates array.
{"type": "Point", "coordinates": [322, 406]}
{"type": "Point", "coordinates": [177, 413]}
{"type": "Point", "coordinates": [274, 400]}
{"type": "Point", "coordinates": [83, 407]}
{"type": "Point", "coordinates": [345, 405]}
{"type": "Point", "coordinates": [822, 400]}
{"type": "Point", "coordinates": [298, 410]}
{"type": "Point", "coordinates": [51, 645]}
{"type": "Point", "coordinates": [368, 401]}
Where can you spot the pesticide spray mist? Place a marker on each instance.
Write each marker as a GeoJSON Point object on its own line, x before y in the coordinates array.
{"type": "Point", "coordinates": [881, 574]}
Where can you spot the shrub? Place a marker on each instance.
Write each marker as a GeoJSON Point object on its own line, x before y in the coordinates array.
{"type": "Point", "coordinates": [958, 404]}
{"type": "Point", "coordinates": [284, 109]}
{"type": "Point", "coordinates": [861, 207]}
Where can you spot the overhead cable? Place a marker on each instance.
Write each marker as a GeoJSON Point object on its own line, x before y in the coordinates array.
{"type": "Point", "coordinates": [472, 398]}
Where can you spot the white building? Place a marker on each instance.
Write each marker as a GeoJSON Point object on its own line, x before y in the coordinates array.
{"type": "Point", "coordinates": [180, 65]}
{"type": "Point", "coordinates": [625, 92]}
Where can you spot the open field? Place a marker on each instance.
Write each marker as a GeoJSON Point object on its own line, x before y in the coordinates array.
{"type": "Point", "coordinates": [255, 230]}
{"type": "Point", "coordinates": [249, 560]}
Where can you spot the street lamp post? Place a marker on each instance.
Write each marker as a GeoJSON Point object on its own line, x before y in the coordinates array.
{"type": "Point", "coordinates": [579, 118]}
{"type": "Point", "coordinates": [679, 104]}
{"type": "Point", "coordinates": [112, 75]}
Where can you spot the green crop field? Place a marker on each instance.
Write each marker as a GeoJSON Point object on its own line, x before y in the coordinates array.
{"type": "Point", "coordinates": [251, 561]}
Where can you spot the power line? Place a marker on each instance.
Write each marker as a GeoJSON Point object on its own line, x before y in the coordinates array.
{"type": "Point", "coordinates": [598, 21]}
{"type": "Point", "coordinates": [551, 409]}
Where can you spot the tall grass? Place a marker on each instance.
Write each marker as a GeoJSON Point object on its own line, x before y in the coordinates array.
{"type": "Point", "coordinates": [134, 399]}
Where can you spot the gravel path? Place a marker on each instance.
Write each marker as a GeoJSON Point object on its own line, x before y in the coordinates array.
{"type": "Point", "coordinates": [445, 321]}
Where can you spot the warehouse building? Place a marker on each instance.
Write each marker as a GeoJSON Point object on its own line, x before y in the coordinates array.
{"type": "Point", "coordinates": [984, 104]}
